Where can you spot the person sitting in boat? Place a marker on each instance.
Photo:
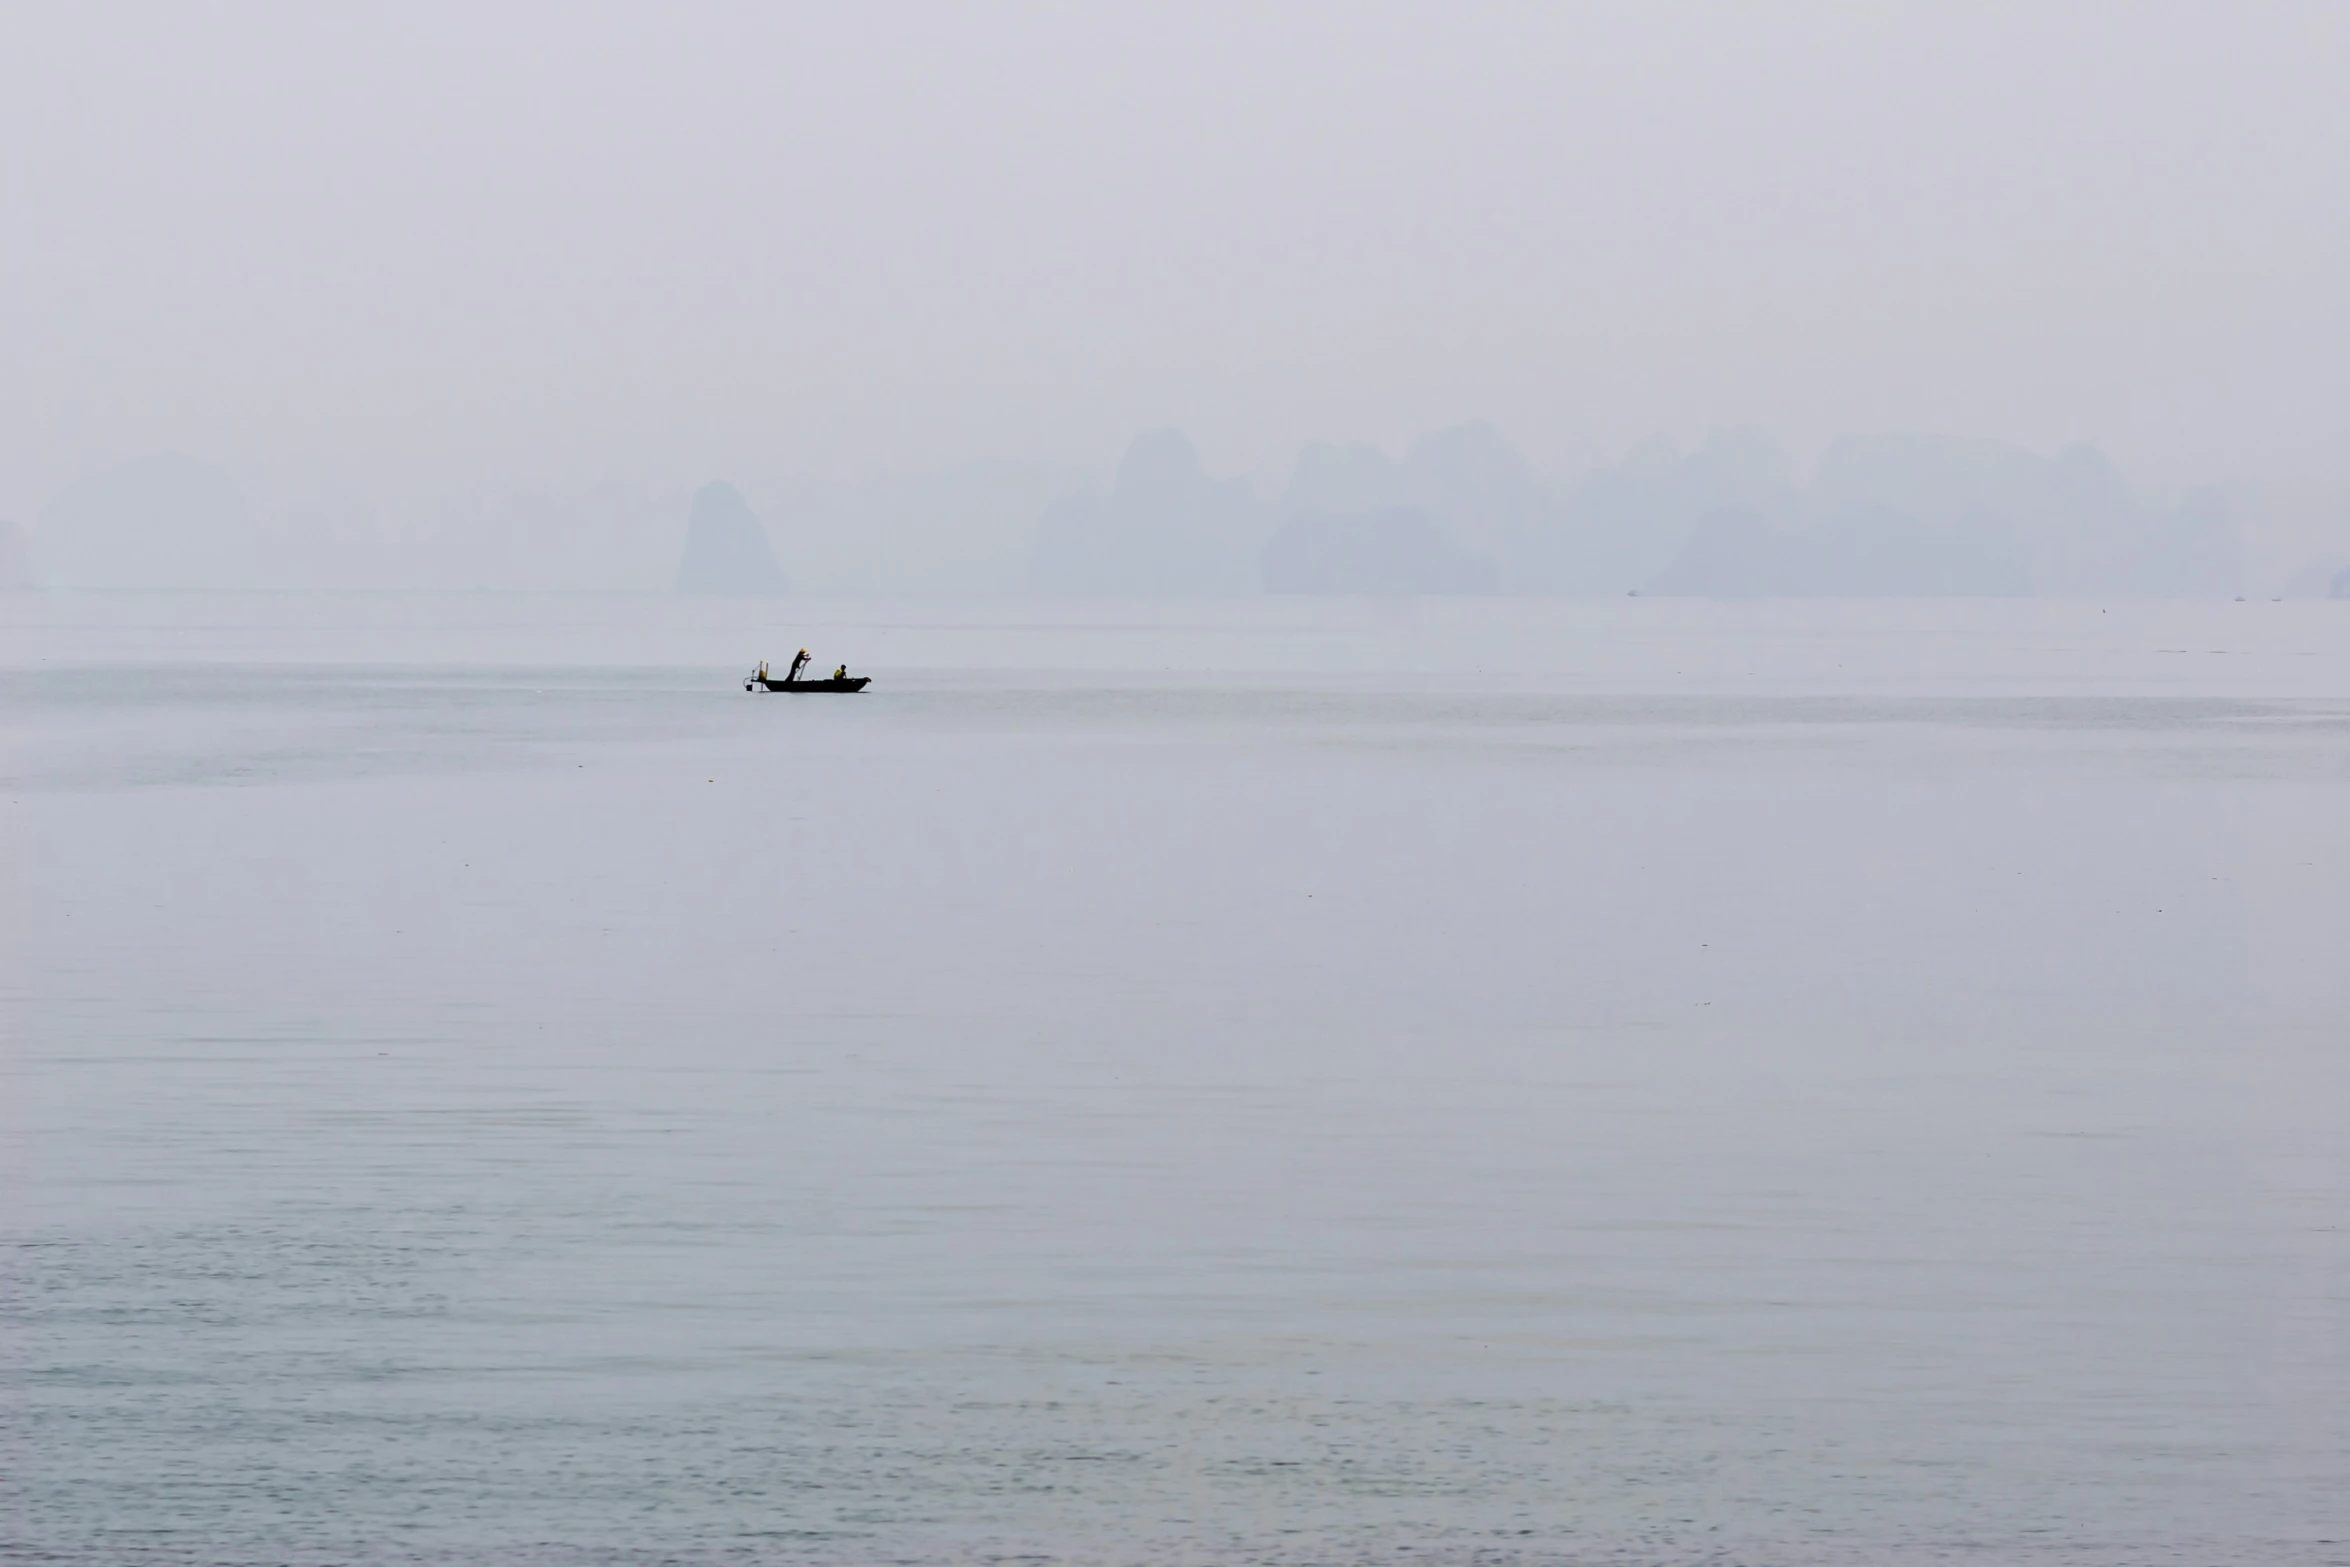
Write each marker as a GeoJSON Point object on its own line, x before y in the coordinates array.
{"type": "Point", "coordinates": [841, 673]}
{"type": "Point", "coordinates": [797, 665]}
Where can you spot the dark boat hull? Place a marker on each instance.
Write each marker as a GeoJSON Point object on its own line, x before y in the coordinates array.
{"type": "Point", "coordinates": [853, 683]}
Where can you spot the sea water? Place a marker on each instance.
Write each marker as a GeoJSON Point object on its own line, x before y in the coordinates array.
{"type": "Point", "coordinates": [1273, 1081]}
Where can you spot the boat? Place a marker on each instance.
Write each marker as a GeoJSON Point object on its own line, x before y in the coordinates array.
{"type": "Point", "coordinates": [852, 683]}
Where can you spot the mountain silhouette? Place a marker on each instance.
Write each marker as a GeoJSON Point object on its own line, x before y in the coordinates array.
{"type": "Point", "coordinates": [726, 549]}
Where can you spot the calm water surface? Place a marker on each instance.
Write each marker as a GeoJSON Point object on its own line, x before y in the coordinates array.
{"type": "Point", "coordinates": [1267, 1082]}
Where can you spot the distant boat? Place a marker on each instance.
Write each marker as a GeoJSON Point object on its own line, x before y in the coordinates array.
{"type": "Point", "coordinates": [763, 683]}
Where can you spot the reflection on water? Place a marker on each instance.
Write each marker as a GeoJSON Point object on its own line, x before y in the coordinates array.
{"type": "Point", "coordinates": [1249, 1082]}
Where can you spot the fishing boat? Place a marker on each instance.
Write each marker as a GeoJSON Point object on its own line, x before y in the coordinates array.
{"type": "Point", "coordinates": [760, 680]}
{"type": "Point", "coordinates": [853, 683]}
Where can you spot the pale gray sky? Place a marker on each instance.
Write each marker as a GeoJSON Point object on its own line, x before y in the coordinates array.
{"type": "Point", "coordinates": [416, 245]}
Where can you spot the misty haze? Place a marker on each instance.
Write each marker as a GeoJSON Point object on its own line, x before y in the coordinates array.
{"type": "Point", "coordinates": [1461, 511]}
{"type": "Point", "coordinates": [1292, 784]}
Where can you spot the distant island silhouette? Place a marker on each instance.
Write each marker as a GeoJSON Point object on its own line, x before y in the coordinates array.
{"type": "Point", "coordinates": [1459, 510]}
{"type": "Point", "coordinates": [16, 562]}
{"type": "Point", "coordinates": [726, 548]}
{"type": "Point", "coordinates": [1165, 526]}
{"type": "Point", "coordinates": [165, 521]}
{"type": "Point", "coordinates": [1393, 550]}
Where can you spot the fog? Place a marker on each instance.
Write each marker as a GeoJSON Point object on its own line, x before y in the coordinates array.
{"type": "Point", "coordinates": [1582, 797]}
{"type": "Point", "coordinates": [467, 296]}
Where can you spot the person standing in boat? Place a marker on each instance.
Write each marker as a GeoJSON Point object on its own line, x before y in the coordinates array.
{"type": "Point", "coordinates": [797, 665]}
